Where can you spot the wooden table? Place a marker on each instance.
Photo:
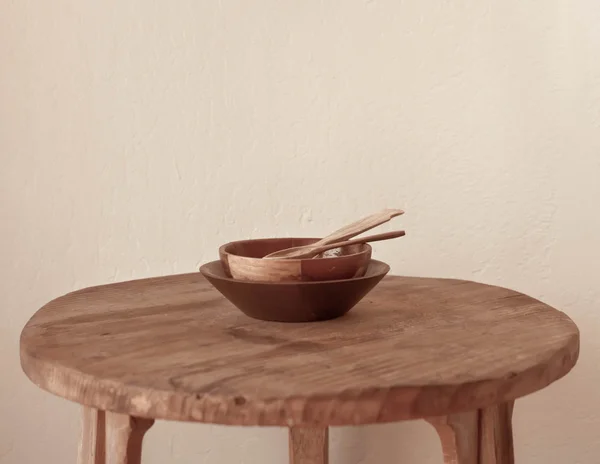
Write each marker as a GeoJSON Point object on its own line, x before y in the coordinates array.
{"type": "Point", "coordinates": [452, 352]}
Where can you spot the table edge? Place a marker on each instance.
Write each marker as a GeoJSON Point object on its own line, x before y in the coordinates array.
{"type": "Point", "coordinates": [351, 407]}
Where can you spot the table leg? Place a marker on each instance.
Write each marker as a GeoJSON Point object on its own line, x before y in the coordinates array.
{"type": "Point", "coordinates": [91, 445]}
{"type": "Point", "coordinates": [309, 445]}
{"type": "Point", "coordinates": [459, 435]}
{"type": "Point", "coordinates": [496, 439]}
{"type": "Point", "coordinates": [477, 437]}
{"type": "Point", "coordinates": [124, 435]}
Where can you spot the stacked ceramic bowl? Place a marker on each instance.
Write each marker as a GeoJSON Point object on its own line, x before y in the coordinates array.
{"type": "Point", "coordinates": [312, 287]}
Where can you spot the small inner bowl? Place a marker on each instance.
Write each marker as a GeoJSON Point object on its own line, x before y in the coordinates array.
{"type": "Point", "coordinates": [242, 260]}
{"type": "Point", "coordinates": [294, 301]}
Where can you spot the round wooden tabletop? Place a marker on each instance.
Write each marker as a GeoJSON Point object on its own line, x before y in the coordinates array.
{"type": "Point", "coordinates": [174, 348]}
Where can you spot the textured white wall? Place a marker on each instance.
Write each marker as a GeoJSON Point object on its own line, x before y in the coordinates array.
{"type": "Point", "coordinates": [137, 135]}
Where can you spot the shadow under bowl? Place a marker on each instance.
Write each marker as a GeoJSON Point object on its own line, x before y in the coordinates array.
{"type": "Point", "coordinates": [294, 301]}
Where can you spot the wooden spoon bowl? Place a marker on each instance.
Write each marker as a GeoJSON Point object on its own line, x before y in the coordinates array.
{"type": "Point", "coordinates": [294, 301]}
{"type": "Point", "coordinates": [243, 260]}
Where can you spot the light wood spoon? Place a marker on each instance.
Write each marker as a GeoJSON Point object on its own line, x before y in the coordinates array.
{"type": "Point", "coordinates": [310, 251]}
{"type": "Point", "coordinates": [346, 232]}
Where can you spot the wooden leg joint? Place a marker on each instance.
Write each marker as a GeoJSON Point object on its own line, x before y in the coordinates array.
{"type": "Point", "coordinates": [124, 435]}
{"type": "Point", "coordinates": [478, 437]}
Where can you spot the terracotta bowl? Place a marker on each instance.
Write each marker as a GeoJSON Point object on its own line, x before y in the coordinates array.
{"type": "Point", "coordinates": [294, 301]}
{"type": "Point", "coordinates": [243, 260]}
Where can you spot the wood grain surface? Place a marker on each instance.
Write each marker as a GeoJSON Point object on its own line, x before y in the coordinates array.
{"type": "Point", "coordinates": [174, 348]}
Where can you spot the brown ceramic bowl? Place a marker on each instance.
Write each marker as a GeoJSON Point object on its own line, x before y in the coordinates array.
{"type": "Point", "coordinates": [243, 260]}
{"type": "Point", "coordinates": [294, 301]}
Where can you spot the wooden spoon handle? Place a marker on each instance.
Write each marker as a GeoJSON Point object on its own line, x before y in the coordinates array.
{"type": "Point", "coordinates": [360, 226]}
{"type": "Point", "coordinates": [369, 238]}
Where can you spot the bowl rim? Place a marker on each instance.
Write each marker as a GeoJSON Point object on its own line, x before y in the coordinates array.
{"type": "Point", "coordinates": [385, 269]}
{"type": "Point", "coordinates": [368, 249]}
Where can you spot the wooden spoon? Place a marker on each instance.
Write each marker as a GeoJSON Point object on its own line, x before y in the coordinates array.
{"type": "Point", "coordinates": [346, 232]}
{"type": "Point", "coordinates": [309, 251]}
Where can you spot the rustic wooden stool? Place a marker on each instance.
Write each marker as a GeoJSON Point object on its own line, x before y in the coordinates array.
{"type": "Point", "coordinates": [455, 353]}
